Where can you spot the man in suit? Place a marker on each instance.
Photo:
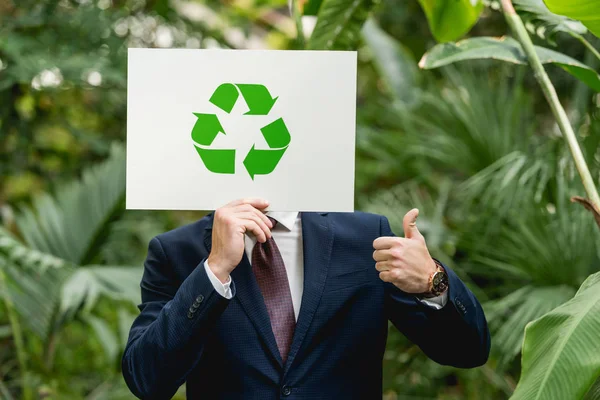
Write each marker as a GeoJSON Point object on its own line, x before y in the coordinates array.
{"type": "Point", "coordinates": [248, 304]}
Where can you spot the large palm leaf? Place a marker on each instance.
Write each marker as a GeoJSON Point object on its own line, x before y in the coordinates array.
{"type": "Point", "coordinates": [33, 281]}
{"type": "Point", "coordinates": [459, 127]}
{"type": "Point", "coordinates": [71, 223]}
{"type": "Point", "coordinates": [72, 226]}
{"type": "Point", "coordinates": [541, 248]}
{"type": "Point", "coordinates": [510, 315]}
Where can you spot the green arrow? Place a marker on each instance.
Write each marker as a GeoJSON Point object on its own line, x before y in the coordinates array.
{"type": "Point", "coordinates": [262, 162]}
{"type": "Point", "coordinates": [257, 97]}
{"type": "Point", "coordinates": [225, 97]}
{"type": "Point", "coordinates": [206, 129]}
{"type": "Point", "coordinates": [276, 134]}
{"type": "Point", "coordinates": [218, 160]}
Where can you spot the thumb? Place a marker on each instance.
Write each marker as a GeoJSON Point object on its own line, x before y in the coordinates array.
{"type": "Point", "coordinates": [410, 225]}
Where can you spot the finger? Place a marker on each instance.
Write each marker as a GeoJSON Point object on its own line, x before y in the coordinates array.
{"type": "Point", "coordinates": [383, 266]}
{"type": "Point", "coordinates": [410, 224]}
{"type": "Point", "coordinates": [262, 216]}
{"type": "Point", "coordinates": [261, 224]}
{"type": "Point", "coordinates": [256, 202]}
{"type": "Point", "coordinates": [382, 255]}
{"type": "Point", "coordinates": [384, 242]}
{"type": "Point", "coordinates": [253, 227]}
{"type": "Point", "coordinates": [386, 276]}
{"type": "Point", "coordinates": [247, 208]}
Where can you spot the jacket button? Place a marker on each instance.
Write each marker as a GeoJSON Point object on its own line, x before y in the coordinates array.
{"type": "Point", "coordinates": [199, 299]}
{"type": "Point", "coordinates": [190, 314]}
{"type": "Point", "coordinates": [460, 306]}
{"type": "Point", "coordinates": [286, 391]}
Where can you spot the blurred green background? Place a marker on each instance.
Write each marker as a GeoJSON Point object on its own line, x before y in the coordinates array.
{"type": "Point", "coordinates": [472, 145]}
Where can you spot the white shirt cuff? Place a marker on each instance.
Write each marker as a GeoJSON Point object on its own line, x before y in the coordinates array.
{"type": "Point", "coordinates": [437, 302]}
{"type": "Point", "coordinates": [224, 289]}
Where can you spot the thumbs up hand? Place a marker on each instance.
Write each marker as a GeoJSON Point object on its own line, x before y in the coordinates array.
{"type": "Point", "coordinates": [405, 262]}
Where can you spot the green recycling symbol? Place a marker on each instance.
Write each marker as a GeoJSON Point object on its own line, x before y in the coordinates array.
{"type": "Point", "coordinates": [208, 127]}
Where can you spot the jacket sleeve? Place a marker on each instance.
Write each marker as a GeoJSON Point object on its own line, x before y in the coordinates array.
{"type": "Point", "coordinates": [455, 335]}
{"type": "Point", "coordinates": [167, 338]}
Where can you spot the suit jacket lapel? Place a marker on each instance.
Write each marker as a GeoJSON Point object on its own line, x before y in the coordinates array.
{"type": "Point", "coordinates": [317, 237]}
{"type": "Point", "coordinates": [248, 294]}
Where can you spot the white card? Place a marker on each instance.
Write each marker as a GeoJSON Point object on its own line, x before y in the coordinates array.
{"type": "Point", "coordinates": [205, 127]}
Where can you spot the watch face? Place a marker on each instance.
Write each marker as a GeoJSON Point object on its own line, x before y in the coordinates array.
{"type": "Point", "coordinates": [440, 281]}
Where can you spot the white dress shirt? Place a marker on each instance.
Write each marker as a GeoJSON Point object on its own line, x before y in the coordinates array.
{"type": "Point", "coordinates": [288, 236]}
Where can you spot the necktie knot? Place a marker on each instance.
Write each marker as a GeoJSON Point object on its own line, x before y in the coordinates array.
{"type": "Point", "coordinates": [273, 221]}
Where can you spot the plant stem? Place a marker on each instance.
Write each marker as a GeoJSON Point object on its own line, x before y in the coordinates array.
{"type": "Point", "coordinates": [587, 44]}
{"type": "Point", "coordinates": [299, 28]}
{"type": "Point", "coordinates": [50, 351]}
{"type": "Point", "coordinates": [516, 25]}
{"type": "Point", "coordinates": [17, 337]}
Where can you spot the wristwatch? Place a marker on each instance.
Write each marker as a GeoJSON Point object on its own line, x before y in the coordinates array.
{"type": "Point", "coordinates": [438, 281]}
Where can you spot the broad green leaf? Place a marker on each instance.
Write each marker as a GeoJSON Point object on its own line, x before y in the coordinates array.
{"type": "Point", "coordinates": [594, 392]}
{"type": "Point", "coordinates": [311, 7]}
{"type": "Point", "coordinates": [537, 11]}
{"type": "Point", "coordinates": [560, 351]}
{"type": "Point", "coordinates": [586, 11]}
{"type": "Point", "coordinates": [339, 23]}
{"type": "Point", "coordinates": [505, 49]}
{"type": "Point", "coordinates": [394, 63]}
{"type": "Point", "coordinates": [451, 19]}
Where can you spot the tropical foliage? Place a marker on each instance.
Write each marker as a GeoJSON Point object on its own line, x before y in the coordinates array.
{"type": "Point", "coordinates": [473, 142]}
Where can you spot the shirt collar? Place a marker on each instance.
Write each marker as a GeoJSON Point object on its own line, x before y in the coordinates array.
{"type": "Point", "coordinates": [285, 218]}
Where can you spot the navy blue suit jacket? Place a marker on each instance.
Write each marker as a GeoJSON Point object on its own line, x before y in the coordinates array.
{"type": "Point", "coordinates": [225, 349]}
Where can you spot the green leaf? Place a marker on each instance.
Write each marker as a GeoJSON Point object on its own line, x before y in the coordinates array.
{"type": "Point", "coordinates": [311, 7]}
{"type": "Point", "coordinates": [394, 63]}
{"type": "Point", "coordinates": [560, 351]}
{"type": "Point", "coordinates": [71, 224]}
{"type": "Point", "coordinates": [520, 308]}
{"type": "Point", "coordinates": [5, 331]}
{"type": "Point", "coordinates": [118, 283]}
{"type": "Point", "coordinates": [451, 19]}
{"type": "Point", "coordinates": [536, 10]}
{"type": "Point", "coordinates": [33, 282]}
{"type": "Point", "coordinates": [125, 321]}
{"type": "Point", "coordinates": [594, 392]}
{"type": "Point", "coordinates": [88, 283]}
{"type": "Point", "coordinates": [505, 49]}
{"type": "Point", "coordinates": [108, 339]}
{"type": "Point", "coordinates": [339, 23]}
{"type": "Point", "coordinates": [5, 392]}
{"type": "Point", "coordinates": [586, 11]}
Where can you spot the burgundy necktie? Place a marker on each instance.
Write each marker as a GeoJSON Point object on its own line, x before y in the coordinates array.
{"type": "Point", "coordinates": [269, 270]}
